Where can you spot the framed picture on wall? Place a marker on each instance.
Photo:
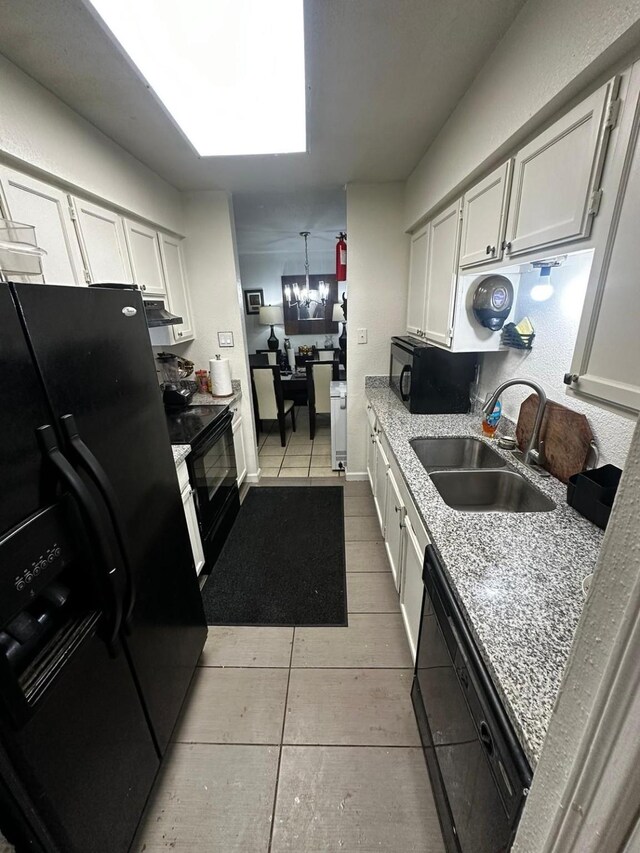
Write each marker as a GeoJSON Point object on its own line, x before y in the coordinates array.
{"type": "Point", "coordinates": [253, 301]}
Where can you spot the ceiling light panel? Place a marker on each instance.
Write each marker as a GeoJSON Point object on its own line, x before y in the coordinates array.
{"type": "Point", "coordinates": [230, 72]}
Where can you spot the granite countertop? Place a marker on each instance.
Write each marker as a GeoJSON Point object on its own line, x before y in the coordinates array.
{"type": "Point", "coordinates": [180, 452]}
{"type": "Point", "coordinates": [211, 400]}
{"type": "Point", "coordinates": [517, 576]}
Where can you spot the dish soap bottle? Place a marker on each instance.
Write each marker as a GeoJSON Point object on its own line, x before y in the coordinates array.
{"type": "Point", "coordinates": [490, 422]}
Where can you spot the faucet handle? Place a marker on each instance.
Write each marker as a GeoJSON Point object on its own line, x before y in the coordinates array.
{"type": "Point", "coordinates": [541, 454]}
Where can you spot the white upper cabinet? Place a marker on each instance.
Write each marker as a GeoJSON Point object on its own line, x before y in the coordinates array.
{"type": "Point", "coordinates": [144, 251]}
{"type": "Point", "coordinates": [556, 178]}
{"type": "Point", "coordinates": [484, 211]}
{"type": "Point", "coordinates": [417, 280]}
{"type": "Point", "coordinates": [101, 235]}
{"type": "Point", "coordinates": [442, 266]}
{"type": "Point", "coordinates": [177, 290]}
{"type": "Point", "coordinates": [606, 361]}
{"type": "Point", "coordinates": [34, 202]}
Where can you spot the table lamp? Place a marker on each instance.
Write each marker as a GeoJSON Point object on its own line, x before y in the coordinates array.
{"type": "Point", "coordinates": [271, 315]}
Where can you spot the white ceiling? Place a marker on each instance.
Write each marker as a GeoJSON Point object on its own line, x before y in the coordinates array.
{"type": "Point", "coordinates": [271, 222]}
{"type": "Point", "coordinates": [382, 75]}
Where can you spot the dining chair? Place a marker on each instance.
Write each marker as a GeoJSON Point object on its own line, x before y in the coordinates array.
{"type": "Point", "coordinates": [258, 359]}
{"type": "Point", "coordinates": [326, 354]}
{"type": "Point", "coordinates": [273, 356]}
{"type": "Point", "coordinates": [268, 399]}
{"type": "Point", "coordinates": [320, 374]}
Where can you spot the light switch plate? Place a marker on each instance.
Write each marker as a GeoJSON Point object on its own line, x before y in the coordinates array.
{"type": "Point", "coordinates": [362, 336]}
{"type": "Point", "coordinates": [225, 339]}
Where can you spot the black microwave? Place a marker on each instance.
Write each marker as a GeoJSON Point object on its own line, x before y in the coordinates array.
{"type": "Point", "coordinates": [430, 380]}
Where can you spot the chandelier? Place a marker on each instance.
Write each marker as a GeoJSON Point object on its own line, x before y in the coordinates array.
{"type": "Point", "coordinates": [305, 296]}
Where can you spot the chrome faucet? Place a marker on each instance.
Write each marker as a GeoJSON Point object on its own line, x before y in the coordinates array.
{"type": "Point", "coordinates": [533, 452]}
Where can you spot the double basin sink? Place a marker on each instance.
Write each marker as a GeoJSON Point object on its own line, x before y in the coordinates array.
{"type": "Point", "coordinates": [472, 477]}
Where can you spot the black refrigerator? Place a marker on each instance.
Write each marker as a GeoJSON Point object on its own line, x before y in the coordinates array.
{"type": "Point", "coordinates": [101, 619]}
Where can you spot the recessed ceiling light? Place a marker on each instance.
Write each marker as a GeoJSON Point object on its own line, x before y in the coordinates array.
{"type": "Point", "coordinates": [229, 72]}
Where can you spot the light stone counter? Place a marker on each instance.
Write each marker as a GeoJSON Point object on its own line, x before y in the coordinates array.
{"type": "Point", "coordinates": [517, 576]}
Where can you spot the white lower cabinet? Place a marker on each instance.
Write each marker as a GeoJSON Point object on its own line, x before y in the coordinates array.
{"type": "Point", "coordinates": [405, 537]}
{"type": "Point", "coordinates": [412, 589]}
{"type": "Point", "coordinates": [189, 505]}
{"type": "Point", "coordinates": [371, 449]}
{"type": "Point", "coordinates": [393, 529]}
{"type": "Point", "coordinates": [381, 469]}
{"type": "Point", "coordinates": [238, 446]}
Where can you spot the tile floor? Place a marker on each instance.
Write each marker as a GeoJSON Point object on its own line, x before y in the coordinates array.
{"type": "Point", "coordinates": [301, 457]}
{"type": "Point", "coordinates": [302, 739]}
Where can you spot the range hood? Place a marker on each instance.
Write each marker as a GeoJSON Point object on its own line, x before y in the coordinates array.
{"type": "Point", "coordinates": [155, 310]}
{"type": "Point", "coordinates": [158, 315]}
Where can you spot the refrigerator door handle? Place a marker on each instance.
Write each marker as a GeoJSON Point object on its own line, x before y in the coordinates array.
{"type": "Point", "coordinates": [107, 577]}
{"type": "Point", "coordinates": [99, 476]}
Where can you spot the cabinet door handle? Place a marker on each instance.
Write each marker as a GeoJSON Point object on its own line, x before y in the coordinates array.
{"type": "Point", "coordinates": [506, 246]}
{"type": "Point", "coordinates": [570, 378]}
{"type": "Point", "coordinates": [490, 250]}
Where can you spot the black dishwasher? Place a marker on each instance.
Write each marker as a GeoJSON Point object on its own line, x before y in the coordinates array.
{"type": "Point", "coordinates": [479, 773]}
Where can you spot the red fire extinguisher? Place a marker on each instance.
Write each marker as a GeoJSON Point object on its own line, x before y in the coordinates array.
{"type": "Point", "coordinates": [341, 257]}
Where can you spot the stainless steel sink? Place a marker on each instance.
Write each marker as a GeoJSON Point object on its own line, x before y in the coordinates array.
{"type": "Point", "coordinates": [437, 454]}
{"type": "Point", "coordinates": [490, 491]}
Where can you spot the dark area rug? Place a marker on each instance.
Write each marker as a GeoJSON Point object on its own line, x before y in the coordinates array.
{"type": "Point", "coordinates": [283, 562]}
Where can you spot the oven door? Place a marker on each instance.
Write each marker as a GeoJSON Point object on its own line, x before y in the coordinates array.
{"type": "Point", "coordinates": [400, 371]}
{"type": "Point", "coordinates": [212, 466]}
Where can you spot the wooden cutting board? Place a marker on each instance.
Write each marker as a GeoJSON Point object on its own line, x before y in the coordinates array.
{"type": "Point", "coordinates": [566, 434]}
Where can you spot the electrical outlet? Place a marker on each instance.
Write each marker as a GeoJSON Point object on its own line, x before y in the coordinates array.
{"type": "Point", "coordinates": [225, 339]}
{"type": "Point", "coordinates": [362, 336]}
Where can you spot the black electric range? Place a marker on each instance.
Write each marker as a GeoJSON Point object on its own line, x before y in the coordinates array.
{"type": "Point", "coordinates": [190, 425]}
{"type": "Point", "coordinates": [212, 470]}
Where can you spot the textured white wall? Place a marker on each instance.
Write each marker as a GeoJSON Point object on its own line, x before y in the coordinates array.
{"type": "Point", "coordinates": [264, 270]}
{"type": "Point", "coordinates": [377, 273]}
{"type": "Point", "coordinates": [556, 323]}
{"type": "Point", "coordinates": [549, 54]}
{"type": "Point", "coordinates": [216, 296]}
{"type": "Point", "coordinates": [42, 133]}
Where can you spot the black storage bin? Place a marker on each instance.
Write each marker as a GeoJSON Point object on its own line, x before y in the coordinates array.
{"type": "Point", "coordinates": [591, 493]}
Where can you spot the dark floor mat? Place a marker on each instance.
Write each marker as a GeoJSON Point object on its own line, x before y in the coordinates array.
{"type": "Point", "coordinates": [283, 562]}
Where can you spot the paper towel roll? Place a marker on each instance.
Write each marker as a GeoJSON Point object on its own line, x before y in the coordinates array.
{"type": "Point", "coordinates": [220, 377]}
